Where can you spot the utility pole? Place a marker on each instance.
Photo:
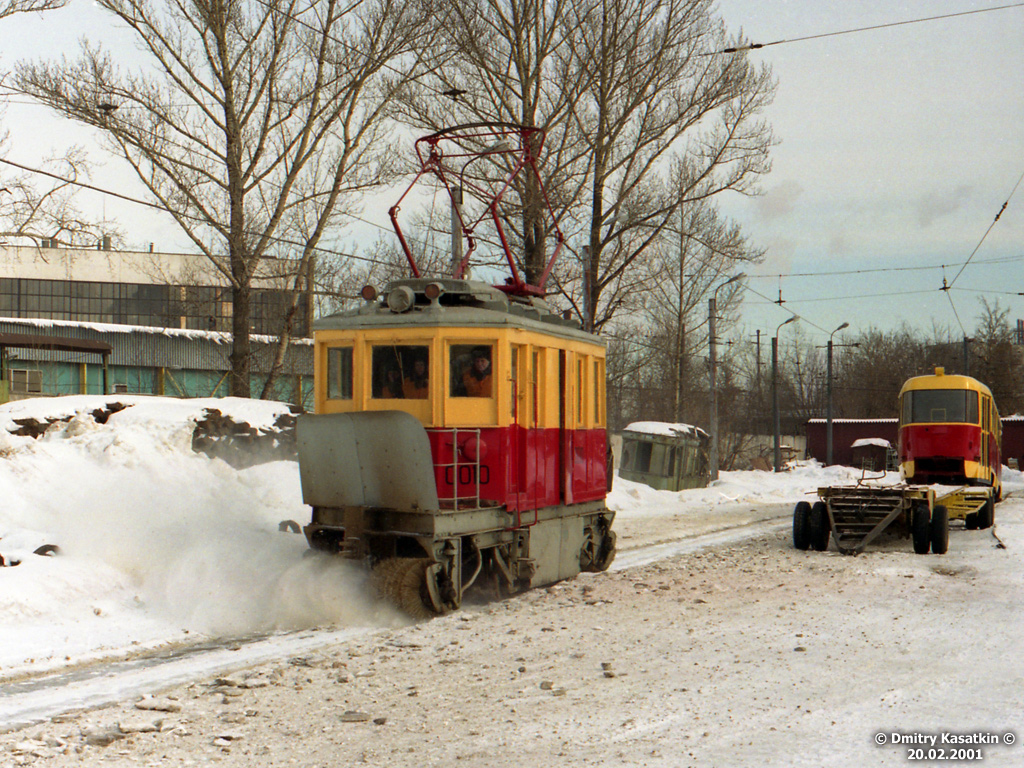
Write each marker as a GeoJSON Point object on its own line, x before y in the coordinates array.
{"type": "Point", "coordinates": [713, 372]}
{"type": "Point", "coordinates": [776, 418]}
{"type": "Point", "coordinates": [828, 405]}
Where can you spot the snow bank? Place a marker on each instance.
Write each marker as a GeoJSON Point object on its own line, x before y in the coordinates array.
{"type": "Point", "coordinates": [156, 542]}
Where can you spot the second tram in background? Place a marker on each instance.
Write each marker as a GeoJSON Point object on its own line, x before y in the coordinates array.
{"type": "Point", "coordinates": [949, 434]}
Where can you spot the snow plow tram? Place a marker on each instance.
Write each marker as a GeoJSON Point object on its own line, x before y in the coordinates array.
{"type": "Point", "coordinates": [459, 436]}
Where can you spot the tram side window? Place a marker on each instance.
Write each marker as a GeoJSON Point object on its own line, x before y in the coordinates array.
{"type": "Point", "coordinates": [471, 374]}
{"type": "Point", "coordinates": [339, 373]}
{"type": "Point", "coordinates": [400, 371]}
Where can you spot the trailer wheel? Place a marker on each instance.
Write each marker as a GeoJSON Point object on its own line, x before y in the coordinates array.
{"type": "Point", "coordinates": [971, 521]}
{"type": "Point", "coordinates": [820, 529]}
{"type": "Point", "coordinates": [920, 526]}
{"type": "Point", "coordinates": [987, 513]}
{"type": "Point", "coordinates": [802, 525]}
{"type": "Point", "coordinates": [940, 530]}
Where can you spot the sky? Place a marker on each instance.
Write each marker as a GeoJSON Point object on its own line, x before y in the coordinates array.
{"type": "Point", "coordinates": [896, 149]}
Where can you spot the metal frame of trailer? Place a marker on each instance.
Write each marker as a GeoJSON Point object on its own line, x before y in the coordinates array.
{"type": "Point", "coordinates": [854, 516]}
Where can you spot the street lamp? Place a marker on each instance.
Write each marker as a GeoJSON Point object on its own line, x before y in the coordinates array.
{"type": "Point", "coordinates": [713, 366]}
{"type": "Point", "coordinates": [828, 406]}
{"type": "Point", "coordinates": [775, 393]}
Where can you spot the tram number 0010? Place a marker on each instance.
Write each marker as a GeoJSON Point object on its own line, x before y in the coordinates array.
{"type": "Point", "coordinates": [467, 475]}
{"type": "Point", "coordinates": [916, 753]}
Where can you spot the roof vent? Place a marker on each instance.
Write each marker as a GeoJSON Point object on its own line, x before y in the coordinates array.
{"type": "Point", "coordinates": [940, 371]}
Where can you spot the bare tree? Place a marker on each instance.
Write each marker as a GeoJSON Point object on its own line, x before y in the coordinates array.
{"type": "Point", "coordinates": [254, 121]}
{"type": "Point", "coordinates": [998, 362]}
{"type": "Point", "coordinates": [11, 7]}
{"type": "Point", "coordinates": [642, 114]}
{"type": "Point", "coordinates": [667, 121]}
{"type": "Point", "coordinates": [34, 211]}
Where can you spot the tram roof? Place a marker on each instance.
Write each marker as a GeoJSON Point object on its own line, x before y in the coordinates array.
{"type": "Point", "coordinates": [942, 380]}
{"type": "Point", "coordinates": [461, 304]}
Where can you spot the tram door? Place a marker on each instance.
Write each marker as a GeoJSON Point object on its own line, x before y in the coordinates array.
{"type": "Point", "coordinates": [986, 426]}
{"type": "Point", "coordinates": [564, 434]}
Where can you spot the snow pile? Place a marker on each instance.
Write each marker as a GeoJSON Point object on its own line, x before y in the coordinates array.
{"type": "Point", "coordinates": [156, 542]}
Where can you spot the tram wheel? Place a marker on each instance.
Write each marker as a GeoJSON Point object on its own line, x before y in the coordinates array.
{"type": "Point", "coordinates": [940, 530]}
{"type": "Point", "coordinates": [920, 527]}
{"type": "Point", "coordinates": [802, 525]}
{"type": "Point", "coordinates": [820, 529]}
{"type": "Point", "coordinates": [987, 513]}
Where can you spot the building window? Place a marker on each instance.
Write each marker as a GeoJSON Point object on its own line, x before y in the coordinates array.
{"type": "Point", "coordinates": [26, 381]}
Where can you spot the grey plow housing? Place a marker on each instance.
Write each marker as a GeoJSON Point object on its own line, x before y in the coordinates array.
{"type": "Point", "coordinates": [368, 460]}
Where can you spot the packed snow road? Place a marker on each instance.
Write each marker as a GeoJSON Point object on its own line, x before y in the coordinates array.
{"type": "Point", "coordinates": [747, 654]}
{"type": "Point", "coordinates": [34, 698]}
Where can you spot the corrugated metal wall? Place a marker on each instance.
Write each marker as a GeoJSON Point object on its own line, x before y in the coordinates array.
{"type": "Point", "coordinates": [182, 363]}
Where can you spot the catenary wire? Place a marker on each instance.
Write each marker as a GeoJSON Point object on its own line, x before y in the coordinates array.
{"type": "Point", "coordinates": [755, 46]}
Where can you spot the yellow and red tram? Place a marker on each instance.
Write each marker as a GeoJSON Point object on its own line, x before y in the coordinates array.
{"type": "Point", "coordinates": [949, 433]}
{"type": "Point", "coordinates": [460, 433]}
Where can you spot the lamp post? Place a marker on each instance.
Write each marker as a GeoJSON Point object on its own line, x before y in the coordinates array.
{"type": "Point", "coordinates": [713, 369]}
{"type": "Point", "coordinates": [828, 404]}
{"type": "Point", "coordinates": [776, 426]}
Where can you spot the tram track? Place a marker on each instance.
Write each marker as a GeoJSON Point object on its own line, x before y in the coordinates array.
{"type": "Point", "coordinates": [31, 699]}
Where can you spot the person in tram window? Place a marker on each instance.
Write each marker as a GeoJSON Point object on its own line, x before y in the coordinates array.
{"type": "Point", "coordinates": [415, 385]}
{"type": "Point", "coordinates": [477, 379]}
{"type": "Point", "coordinates": [392, 384]}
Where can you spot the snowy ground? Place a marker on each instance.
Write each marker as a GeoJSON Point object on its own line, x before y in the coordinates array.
{"type": "Point", "coordinates": [747, 653]}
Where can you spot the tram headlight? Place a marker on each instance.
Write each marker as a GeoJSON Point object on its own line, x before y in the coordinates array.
{"type": "Point", "coordinates": [474, 449]}
{"type": "Point", "coordinates": [401, 298]}
{"type": "Point", "coordinates": [433, 290]}
{"type": "Point", "coordinates": [368, 292]}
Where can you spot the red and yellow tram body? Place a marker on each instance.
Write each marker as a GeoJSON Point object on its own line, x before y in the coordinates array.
{"type": "Point", "coordinates": [536, 439]}
{"type": "Point", "coordinates": [459, 433]}
{"type": "Point", "coordinates": [949, 432]}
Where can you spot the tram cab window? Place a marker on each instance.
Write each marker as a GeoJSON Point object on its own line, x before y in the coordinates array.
{"type": "Point", "coordinates": [400, 372]}
{"type": "Point", "coordinates": [339, 373]}
{"type": "Point", "coordinates": [926, 406]}
{"type": "Point", "coordinates": [471, 370]}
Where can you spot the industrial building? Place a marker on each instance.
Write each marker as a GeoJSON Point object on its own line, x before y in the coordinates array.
{"type": "Point", "coordinates": [85, 321]}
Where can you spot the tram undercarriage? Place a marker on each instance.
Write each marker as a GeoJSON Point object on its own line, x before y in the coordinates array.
{"type": "Point", "coordinates": [369, 479]}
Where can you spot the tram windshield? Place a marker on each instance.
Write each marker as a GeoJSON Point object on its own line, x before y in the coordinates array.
{"type": "Point", "coordinates": [929, 406]}
{"type": "Point", "coordinates": [400, 371]}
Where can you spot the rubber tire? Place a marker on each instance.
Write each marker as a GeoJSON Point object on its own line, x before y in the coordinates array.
{"type": "Point", "coordinates": [802, 525]}
{"type": "Point", "coordinates": [971, 521]}
{"type": "Point", "coordinates": [987, 513]}
{"type": "Point", "coordinates": [940, 530]}
{"type": "Point", "coordinates": [821, 530]}
{"type": "Point", "coordinates": [920, 528]}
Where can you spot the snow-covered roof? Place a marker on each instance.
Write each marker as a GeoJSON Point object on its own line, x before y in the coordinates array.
{"type": "Point", "coordinates": [216, 336]}
{"type": "Point", "coordinates": [881, 443]}
{"type": "Point", "coordinates": [853, 421]}
{"type": "Point", "coordinates": [665, 429]}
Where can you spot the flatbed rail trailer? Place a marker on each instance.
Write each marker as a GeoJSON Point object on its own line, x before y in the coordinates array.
{"type": "Point", "coordinates": [854, 516]}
